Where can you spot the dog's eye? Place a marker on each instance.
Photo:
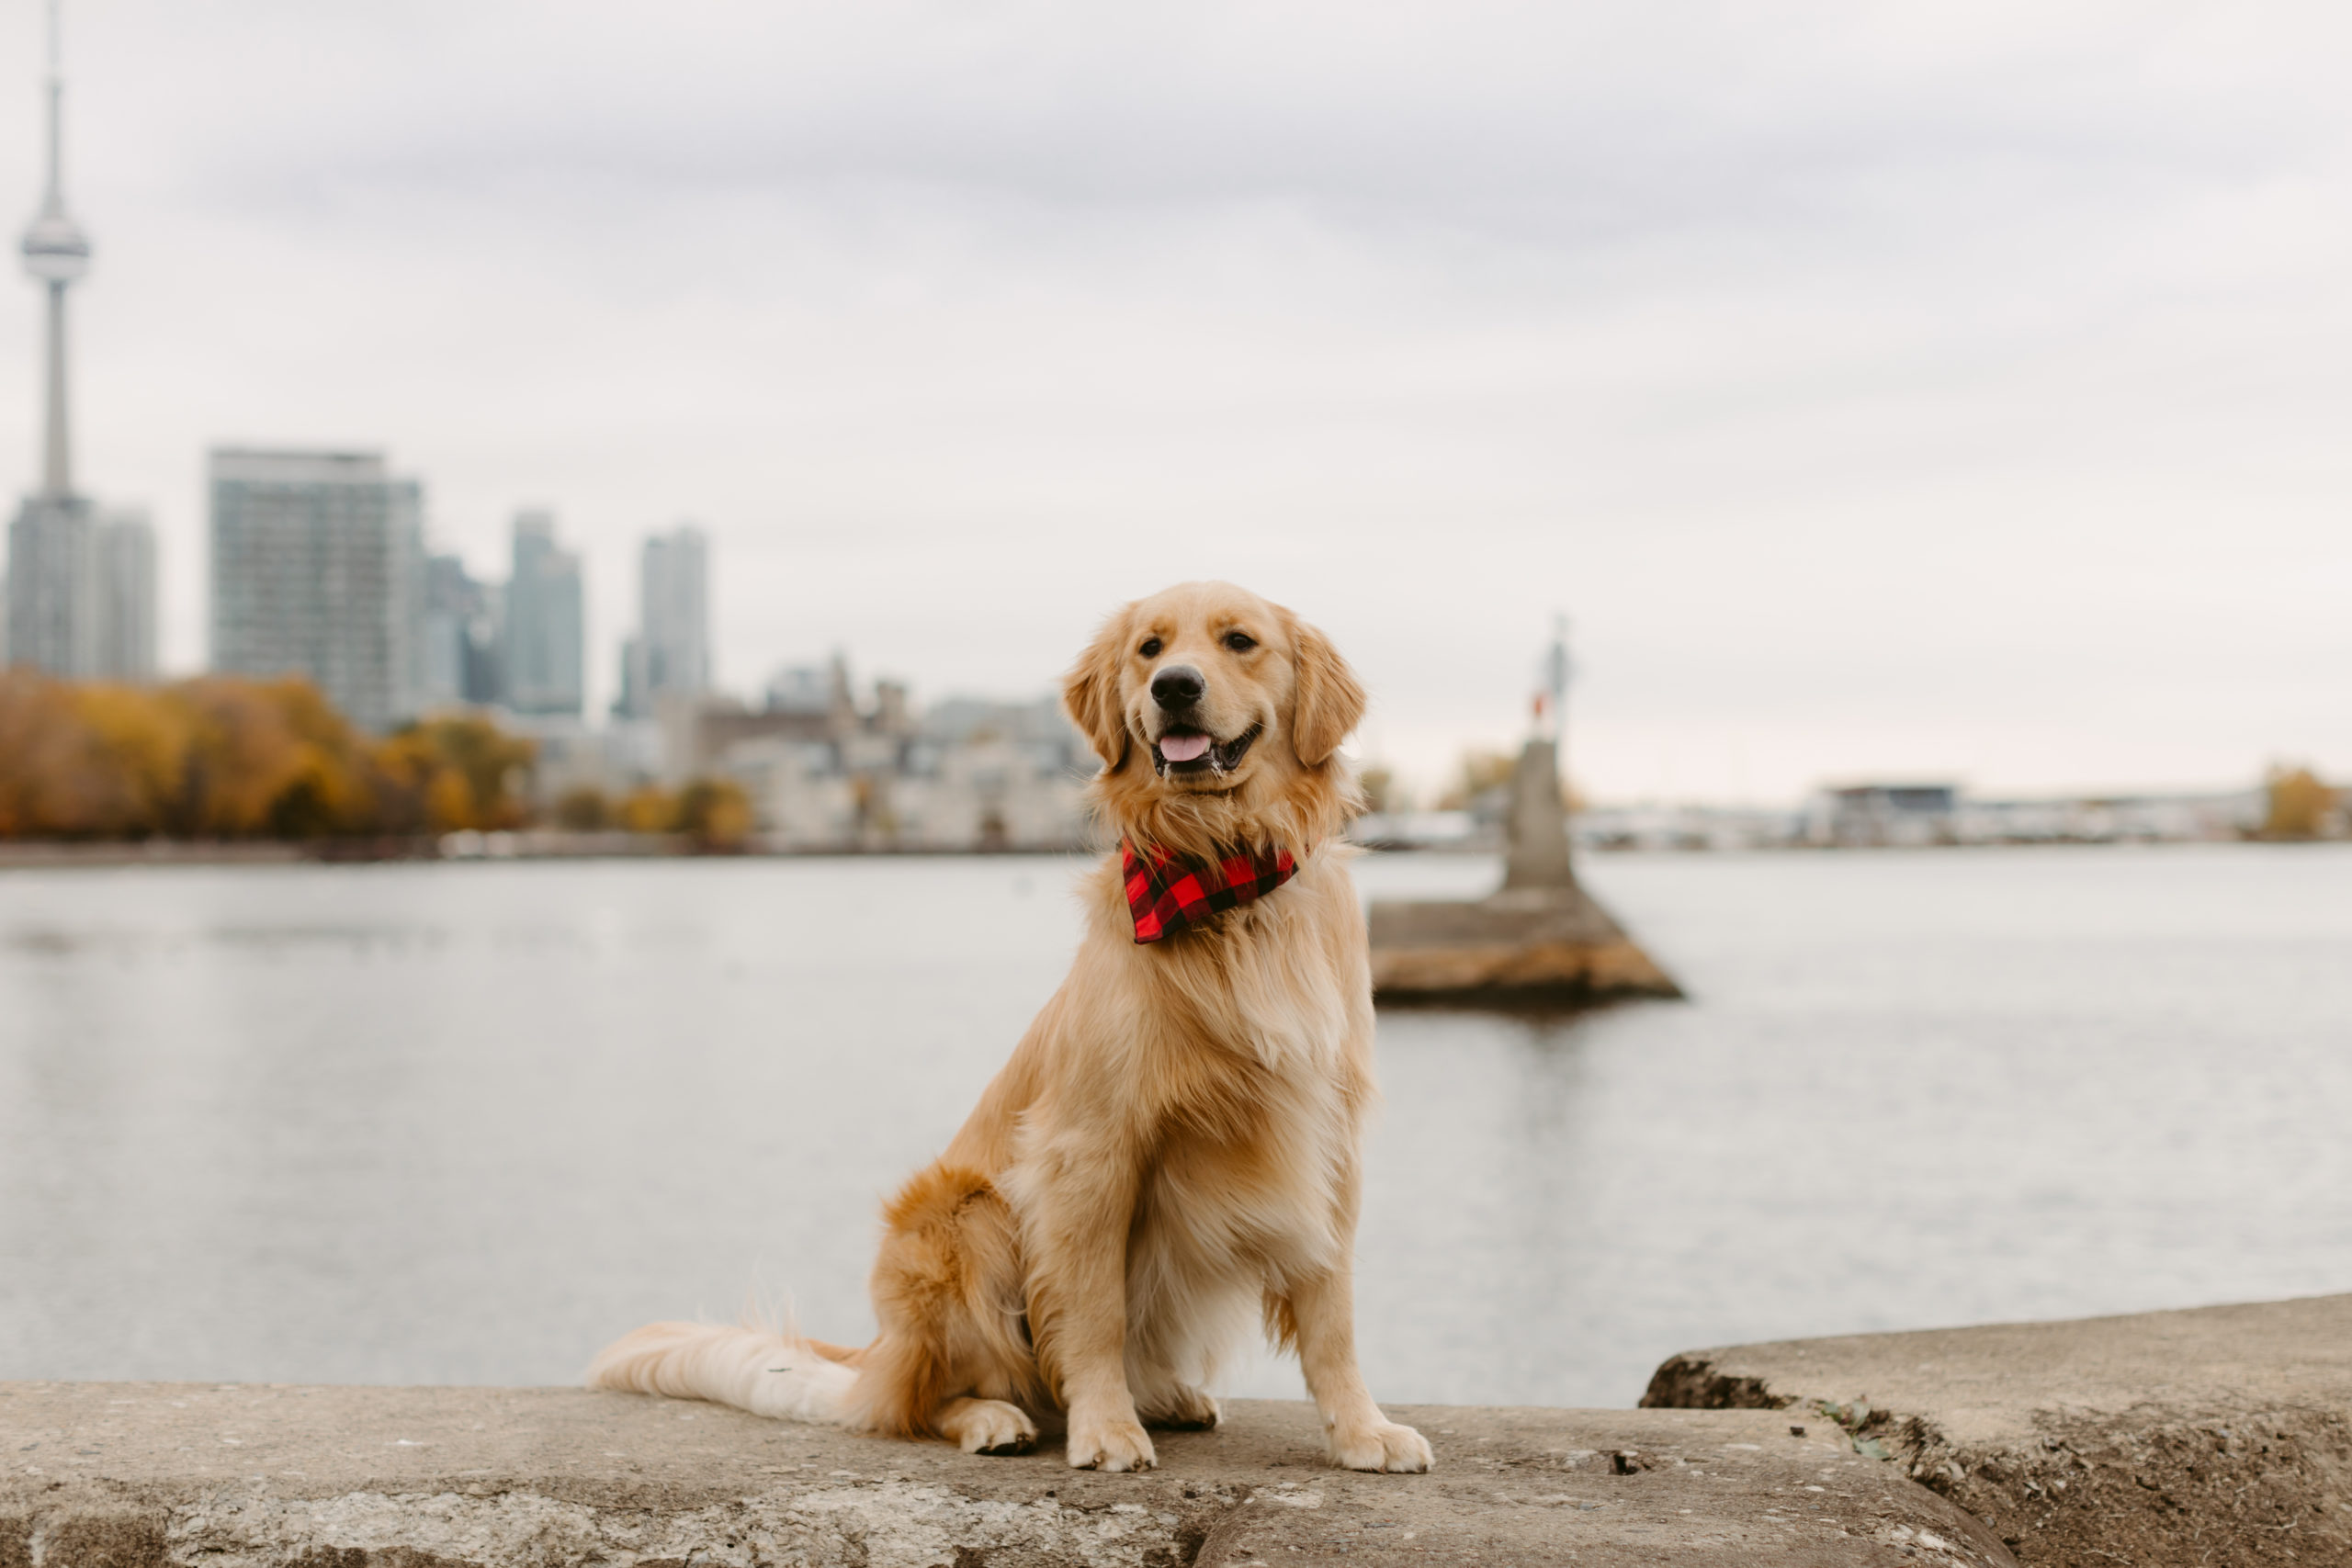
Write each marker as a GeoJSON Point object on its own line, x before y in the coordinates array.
{"type": "Point", "coordinates": [1150, 648]}
{"type": "Point", "coordinates": [1240, 642]}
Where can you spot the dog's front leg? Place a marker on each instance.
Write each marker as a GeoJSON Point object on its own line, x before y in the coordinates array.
{"type": "Point", "coordinates": [1078, 1309]}
{"type": "Point", "coordinates": [1323, 1310]}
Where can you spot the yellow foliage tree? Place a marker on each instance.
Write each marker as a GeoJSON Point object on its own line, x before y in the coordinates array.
{"type": "Point", "coordinates": [460, 771]}
{"type": "Point", "coordinates": [716, 814]}
{"type": "Point", "coordinates": [41, 743]}
{"type": "Point", "coordinates": [2300, 805]}
{"type": "Point", "coordinates": [649, 810]}
{"type": "Point", "coordinates": [583, 810]}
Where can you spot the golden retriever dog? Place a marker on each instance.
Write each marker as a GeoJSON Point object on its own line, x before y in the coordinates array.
{"type": "Point", "coordinates": [1171, 1158]}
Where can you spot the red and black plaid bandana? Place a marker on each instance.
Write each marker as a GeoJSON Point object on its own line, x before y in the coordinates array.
{"type": "Point", "coordinates": [1167, 894]}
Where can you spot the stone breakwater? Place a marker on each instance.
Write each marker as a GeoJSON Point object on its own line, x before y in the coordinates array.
{"type": "Point", "coordinates": [2216, 1436]}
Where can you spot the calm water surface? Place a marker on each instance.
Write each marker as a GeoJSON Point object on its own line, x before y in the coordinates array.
{"type": "Point", "coordinates": [463, 1122]}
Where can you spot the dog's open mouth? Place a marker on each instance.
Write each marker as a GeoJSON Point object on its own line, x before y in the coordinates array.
{"type": "Point", "coordinates": [1188, 751]}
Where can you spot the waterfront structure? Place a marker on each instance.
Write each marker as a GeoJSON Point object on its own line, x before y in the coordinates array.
{"type": "Point", "coordinates": [670, 652]}
{"type": "Point", "coordinates": [546, 663]}
{"type": "Point", "coordinates": [317, 570]}
{"type": "Point", "coordinates": [1885, 814]}
{"type": "Point", "coordinates": [80, 587]}
{"type": "Point", "coordinates": [1538, 940]}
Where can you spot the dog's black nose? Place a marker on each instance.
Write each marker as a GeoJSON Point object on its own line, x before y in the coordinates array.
{"type": "Point", "coordinates": [1178, 686]}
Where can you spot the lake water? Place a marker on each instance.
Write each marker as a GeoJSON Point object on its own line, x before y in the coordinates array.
{"type": "Point", "coordinates": [463, 1123]}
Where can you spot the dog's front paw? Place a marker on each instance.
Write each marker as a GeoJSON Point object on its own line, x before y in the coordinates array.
{"type": "Point", "coordinates": [1119, 1444]}
{"type": "Point", "coordinates": [988, 1426]}
{"type": "Point", "coordinates": [1390, 1446]}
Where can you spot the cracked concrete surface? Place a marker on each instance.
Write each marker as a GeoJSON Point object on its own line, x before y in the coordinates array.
{"type": "Point", "coordinates": [102, 1475]}
{"type": "Point", "coordinates": [2220, 1438]}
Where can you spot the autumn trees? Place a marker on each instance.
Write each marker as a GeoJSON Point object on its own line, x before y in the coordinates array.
{"type": "Point", "coordinates": [221, 758]}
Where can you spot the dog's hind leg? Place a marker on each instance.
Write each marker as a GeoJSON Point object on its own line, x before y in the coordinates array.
{"type": "Point", "coordinates": [1182, 1408]}
{"type": "Point", "coordinates": [953, 1356]}
{"type": "Point", "coordinates": [986, 1427]}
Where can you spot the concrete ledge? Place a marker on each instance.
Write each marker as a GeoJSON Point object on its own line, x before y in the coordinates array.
{"type": "Point", "coordinates": [130, 1475]}
{"type": "Point", "coordinates": [2219, 1437]}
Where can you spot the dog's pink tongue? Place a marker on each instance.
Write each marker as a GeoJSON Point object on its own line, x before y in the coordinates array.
{"type": "Point", "coordinates": [1184, 747]}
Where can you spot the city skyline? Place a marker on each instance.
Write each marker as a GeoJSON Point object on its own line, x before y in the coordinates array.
{"type": "Point", "coordinates": [1948, 396]}
{"type": "Point", "coordinates": [78, 587]}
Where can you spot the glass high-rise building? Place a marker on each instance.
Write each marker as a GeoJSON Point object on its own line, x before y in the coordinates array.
{"type": "Point", "coordinates": [317, 570]}
{"type": "Point", "coordinates": [122, 571]}
{"type": "Point", "coordinates": [546, 622]}
{"type": "Point", "coordinates": [671, 651]}
{"type": "Point", "coordinates": [53, 602]}
{"type": "Point", "coordinates": [461, 660]}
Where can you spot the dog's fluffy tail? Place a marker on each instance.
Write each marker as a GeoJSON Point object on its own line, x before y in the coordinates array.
{"type": "Point", "coordinates": [779, 1375]}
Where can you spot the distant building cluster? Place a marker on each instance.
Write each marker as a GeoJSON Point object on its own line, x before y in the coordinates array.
{"type": "Point", "coordinates": [825, 769]}
{"type": "Point", "coordinates": [1861, 816]}
{"type": "Point", "coordinates": [1899, 815]}
{"type": "Point", "coordinates": [321, 569]}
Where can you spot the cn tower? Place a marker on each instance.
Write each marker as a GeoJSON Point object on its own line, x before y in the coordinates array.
{"type": "Point", "coordinates": [57, 253]}
{"type": "Point", "coordinates": [81, 584]}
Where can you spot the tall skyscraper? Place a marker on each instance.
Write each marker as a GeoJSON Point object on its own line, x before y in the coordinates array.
{"type": "Point", "coordinates": [53, 597]}
{"type": "Point", "coordinates": [318, 569]}
{"type": "Point", "coordinates": [546, 622]}
{"type": "Point", "coordinates": [671, 651]}
{"type": "Point", "coordinates": [80, 590]}
{"type": "Point", "coordinates": [123, 577]}
{"type": "Point", "coordinates": [462, 661]}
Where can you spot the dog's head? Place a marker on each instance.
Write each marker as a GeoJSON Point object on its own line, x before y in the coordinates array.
{"type": "Point", "coordinates": [1217, 717]}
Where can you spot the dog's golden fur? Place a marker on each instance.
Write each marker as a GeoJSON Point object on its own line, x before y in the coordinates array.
{"type": "Point", "coordinates": [1171, 1156]}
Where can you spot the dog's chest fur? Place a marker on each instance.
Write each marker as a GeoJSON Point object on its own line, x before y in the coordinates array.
{"type": "Point", "coordinates": [1254, 1052]}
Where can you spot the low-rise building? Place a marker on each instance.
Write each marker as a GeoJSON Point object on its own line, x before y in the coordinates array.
{"type": "Point", "coordinates": [1884, 815]}
{"type": "Point", "coordinates": [825, 771]}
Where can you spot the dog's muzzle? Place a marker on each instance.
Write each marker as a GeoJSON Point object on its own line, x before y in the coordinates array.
{"type": "Point", "coordinates": [1188, 751]}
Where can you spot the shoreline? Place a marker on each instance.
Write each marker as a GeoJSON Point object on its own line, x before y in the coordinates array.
{"type": "Point", "coordinates": [42, 854]}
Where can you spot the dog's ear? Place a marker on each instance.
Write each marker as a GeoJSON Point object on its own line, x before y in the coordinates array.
{"type": "Point", "coordinates": [1090, 692]}
{"type": "Point", "coordinates": [1327, 703]}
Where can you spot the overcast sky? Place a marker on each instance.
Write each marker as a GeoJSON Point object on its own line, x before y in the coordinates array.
{"type": "Point", "coordinates": [1927, 389]}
